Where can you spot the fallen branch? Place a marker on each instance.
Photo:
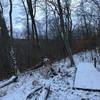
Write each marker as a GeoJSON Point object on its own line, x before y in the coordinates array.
{"type": "Point", "coordinates": [89, 90]}
{"type": "Point", "coordinates": [48, 91]}
{"type": "Point", "coordinates": [45, 93]}
{"type": "Point", "coordinates": [30, 95]}
{"type": "Point", "coordinates": [11, 80]}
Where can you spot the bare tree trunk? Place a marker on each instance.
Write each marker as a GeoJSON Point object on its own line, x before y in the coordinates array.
{"type": "Point", "coordinates": [27, 17]}
{"type": "Point", "coordinates": [68, 22]}
{"type": "Point", "coordinates": [5, 67]}
{"type": "Point", "coordinates": [84, 18]}
{"type": "Point", "coordinates": [12, 52]}
{"type": "Point", "coordinates": [34, 28]}
{"type": "Point", "coordinates": [64, 35]}
{"type": "Point", "coordinates": [87, 32]}
{"type": "Point", "coordinates": [35, 31]}
{"type": "Point", "coordinates": [10, 16]}
{"type": "Point", "coordinates": [30, 9]}
{"type": "Point", "coordinates": [46, 16]}
{"type": "Point", "coordinates": [28, 33]}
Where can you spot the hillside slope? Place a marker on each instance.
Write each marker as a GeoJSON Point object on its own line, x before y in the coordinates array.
{"type": "Point", "coordinates": [37, 85]}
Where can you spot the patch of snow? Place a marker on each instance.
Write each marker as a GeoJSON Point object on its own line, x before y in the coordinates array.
{"type": "Point", "coordinates": [87, 77]}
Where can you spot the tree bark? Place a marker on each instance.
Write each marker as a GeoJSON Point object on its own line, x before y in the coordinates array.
{"type": "Point", "coordinates": [12, 51]}
{"type": "Point", "coordinates": [28, 33]}
{"type": "Point", "coordinates": [34, 28]}
{"type": "Point", "coordinates": [64, 35]}
{"type": "Point", "coordinates": [5, 66]}
{"type": "Point", "coordinates": [46, 16]}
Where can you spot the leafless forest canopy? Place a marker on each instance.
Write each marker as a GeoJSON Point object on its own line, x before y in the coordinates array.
{"type": "Point", "coordinates": [65, 27]}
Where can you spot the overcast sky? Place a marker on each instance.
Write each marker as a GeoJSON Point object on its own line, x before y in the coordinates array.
{"type": "Point", "coordinates": [19, 16]}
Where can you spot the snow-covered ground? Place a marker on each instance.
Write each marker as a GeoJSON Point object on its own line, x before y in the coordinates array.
{"type": "Point", "coordinates": [61, 85]}
{"type": "Point", "coordinates": [87, 77]}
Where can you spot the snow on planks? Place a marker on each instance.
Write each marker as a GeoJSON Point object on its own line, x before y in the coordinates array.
{"type": "Point", "coordinates": [87, 77]}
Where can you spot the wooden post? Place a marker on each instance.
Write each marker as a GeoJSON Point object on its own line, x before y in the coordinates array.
{"type": "Point", "coordinates": [95, 62]}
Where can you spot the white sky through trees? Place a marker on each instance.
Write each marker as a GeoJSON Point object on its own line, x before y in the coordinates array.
{"type": "Point", "coordinates": [19, 16]}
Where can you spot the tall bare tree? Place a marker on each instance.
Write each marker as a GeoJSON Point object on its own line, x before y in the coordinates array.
{"type": "Point", "coordinates": [10, 16]}
{"type": "Point", "coordinates": [27, 17]}
{"type": "Point", "coordinates": [32, 12]}
{"type": "Point", "coordinates": [5, 65]}
{"type": "Point", "coordinates": [12, 52]}
{"type": "Point", "coordinates": [64, 34]}
{"type": "Point", "coordinates": [46, 15]}
{"type": "Point", "coordinates": [28, 31]}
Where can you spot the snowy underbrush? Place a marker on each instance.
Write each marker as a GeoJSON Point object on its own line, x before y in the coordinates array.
{"type": "Point", "coordinates": [32, 85]}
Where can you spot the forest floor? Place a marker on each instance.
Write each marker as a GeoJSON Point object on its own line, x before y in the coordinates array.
{"type": "Point", "coordinates": [36, 85]}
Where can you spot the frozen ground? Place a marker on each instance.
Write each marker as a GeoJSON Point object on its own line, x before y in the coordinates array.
{"type": "Point", "coordinates": [87, 77]}
{"type": "Point", "coordinates": [61, 85]}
